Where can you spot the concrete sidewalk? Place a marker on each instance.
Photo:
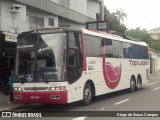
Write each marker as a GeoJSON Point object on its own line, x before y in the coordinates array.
{"type": "Point", "coordinates": [4, 105]}
{"type": "Point", "coordinates": [155, 74]}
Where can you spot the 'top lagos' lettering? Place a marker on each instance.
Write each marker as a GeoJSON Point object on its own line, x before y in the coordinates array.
{"type": "Point", "coordinates": [138, 63]}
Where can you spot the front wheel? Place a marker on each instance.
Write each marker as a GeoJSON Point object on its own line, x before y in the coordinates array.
{"type": "Point", "coordinates": [87, 94]}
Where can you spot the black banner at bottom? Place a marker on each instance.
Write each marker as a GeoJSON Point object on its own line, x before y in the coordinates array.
{"type": "Point", "coordinates": [22, 114]}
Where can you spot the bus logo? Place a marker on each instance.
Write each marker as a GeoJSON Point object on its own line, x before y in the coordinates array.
{"type": "Point", "coordinates": [29, 78]}
{"type": "Point", "coordinates": [112, 75]}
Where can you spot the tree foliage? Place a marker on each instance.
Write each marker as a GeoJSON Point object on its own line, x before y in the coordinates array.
{"type": "Point", "coordinates": [121, 15]}
{"type": "Point", "coordinates": [116, 24]}
{"type": "Point", "coordinates": [139, 34]}
{"type": "Point", "coordinates": [142, 35]}
{"type": "Point", "coordinates": [155, 44]}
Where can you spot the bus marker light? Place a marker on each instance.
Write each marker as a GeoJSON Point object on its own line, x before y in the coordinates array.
{"type": "Point", "coordinates": [17, 89]}
{"type": "Point", "coordinates": [18, 97]}
{"type": "Point", "coordinates": [59, 88]}
{"type": "Point", "coordinates": [54, 97]}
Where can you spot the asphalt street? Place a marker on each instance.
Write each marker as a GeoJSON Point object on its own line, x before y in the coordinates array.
{"type": "Point", "coordinates": [122, 102]}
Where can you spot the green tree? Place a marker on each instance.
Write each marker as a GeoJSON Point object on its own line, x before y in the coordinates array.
{"type": "Point", "coordinates": [155, 44]}
{"type": "Point", "coordinates": [139, 34]}
{"type": "Point", "coordinates": [114, 24]}
{"type": "Point", "coordinates": [121, 15]}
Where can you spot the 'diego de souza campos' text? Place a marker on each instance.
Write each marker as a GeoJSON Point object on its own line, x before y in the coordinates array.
{"type": "Point", "coordinates": [137, 114]}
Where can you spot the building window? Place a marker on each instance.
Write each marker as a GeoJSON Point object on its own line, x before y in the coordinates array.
{"type": "Point", "coordinates": [51, 21]}
{"type": "Point", "coordinates": [36, 22]}
{"type": "Point", "coordinates": [64, 3]}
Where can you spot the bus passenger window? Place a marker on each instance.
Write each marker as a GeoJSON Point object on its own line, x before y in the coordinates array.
{"type": "Point", "coordinates": [124, 53]}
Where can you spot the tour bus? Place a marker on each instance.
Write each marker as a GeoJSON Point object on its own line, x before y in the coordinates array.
{"type": "Point", "coordinates": [64, 65]}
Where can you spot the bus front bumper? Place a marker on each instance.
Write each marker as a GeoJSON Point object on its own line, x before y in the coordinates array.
{"type": "Point", "coordinates": [40, 97]}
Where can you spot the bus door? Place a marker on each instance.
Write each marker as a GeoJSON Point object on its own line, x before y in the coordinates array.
{"type": "Point", "coordinates": [74, 57]}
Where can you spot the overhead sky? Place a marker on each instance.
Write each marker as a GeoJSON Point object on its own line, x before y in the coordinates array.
{"type": "Point", "coordinates": [140, 13]}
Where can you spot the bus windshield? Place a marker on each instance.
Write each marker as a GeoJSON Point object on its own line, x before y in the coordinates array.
{"type": "Point", "coordinates": [40, 57]}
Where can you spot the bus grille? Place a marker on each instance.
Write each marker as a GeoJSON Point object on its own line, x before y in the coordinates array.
{"type": "Point", "coordinates": [35, 88]}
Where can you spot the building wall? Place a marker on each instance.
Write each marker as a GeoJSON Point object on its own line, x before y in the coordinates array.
{"type": "Point", "coordinates": [93, 7]}
{"type": "Point", "coordinates": [13, 22]}
{"type": "Point", "coordinates": [158, 63]}
{"type": "Point", "coordinates": [78, 13]}
{"type": "Point", "coordinates": [154, 60]}
{"type": "Point", "coordinates": [67, 23]}
{"type": "Point", "coordinates": [155, 36]}
{"type": "Point", "coordinates": [39, 13]}
{"type": "Point", "coordinates": [56, 1]}
{"type": "Point", "coordinates": [79, 6]}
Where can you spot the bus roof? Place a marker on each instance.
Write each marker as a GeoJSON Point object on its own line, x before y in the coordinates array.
{"type": "Point", "coordinates": [85, 31]}
{"type": "Point", "coordinates": [111, 36]}
{"type": "Point", "coordinates": [50, 30]}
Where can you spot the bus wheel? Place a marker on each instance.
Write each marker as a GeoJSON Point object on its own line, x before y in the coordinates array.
{"type": "Point", "coordinates": [132, 84]}
{"type": "Point", "coordinates": [87, 94]}
{"type": "Point", "coordinates": [138, 86]}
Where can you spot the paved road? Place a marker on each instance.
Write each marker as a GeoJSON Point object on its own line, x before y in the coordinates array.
{"type": "Point", "coordinates": [147, 99]}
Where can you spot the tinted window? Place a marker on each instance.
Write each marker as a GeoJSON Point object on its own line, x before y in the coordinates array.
{"type": "Point", "coordinates": [72, 42]}
{"type": "Point", "coordinates": [92, 44]}
{"type": "Point", "coordinates": [144, 52]}
{"type": "Point", "coordinates": [139, 52]}
{"type": "Point", "coordinates": [127, 50]}
{"type": "Point", "coordinates": [109, 48]}
{"type": "Point", "coordinates": [135, 51]}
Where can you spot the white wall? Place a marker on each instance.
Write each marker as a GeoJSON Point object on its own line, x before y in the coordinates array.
{"type": "Point", "coordinates": [93, 7]}
{"type": "Point", "coordinates": [20, 20]}
{"type": "Point", "coordinates": [65, 22]}
{"type": "Point", "coordinates": [155, 59]}
{"type": "Point", "coordinates": [158, 63]}
{"type": "Point", "coordinates": [56, 1]}
{"type": "Point", "coordinates": [79, 6]}
{"type": "Point", "coordinates": [9, 21]}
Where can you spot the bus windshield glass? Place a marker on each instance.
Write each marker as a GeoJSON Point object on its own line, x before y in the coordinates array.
{"type": "Point", "coordinates": [40, 57]}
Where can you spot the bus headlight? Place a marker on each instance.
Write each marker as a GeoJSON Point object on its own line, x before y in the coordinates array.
{"type": "Point", "coordinates": [58, 88]}
{"type": "Point", "coordinates": [17, 89]}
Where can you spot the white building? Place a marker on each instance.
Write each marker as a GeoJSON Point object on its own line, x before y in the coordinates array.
{"type": "Point", "coordinates": [23, 15]}
{"type": "Point", "coordinates": [155, 33]}
{"type": "Point", "coordinates": [154, 60]}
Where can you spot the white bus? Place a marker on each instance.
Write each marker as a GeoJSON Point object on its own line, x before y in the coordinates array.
{"type": "Point", "coordinates": [63, 65]}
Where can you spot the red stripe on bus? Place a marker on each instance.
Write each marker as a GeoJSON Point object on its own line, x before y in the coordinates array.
{"type": "Point", "coordinates": [41, 97]}
{"type": "Point", "coordinates": [83, 51]}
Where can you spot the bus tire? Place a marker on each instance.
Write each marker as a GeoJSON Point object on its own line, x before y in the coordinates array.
{"type": "Point", "coordinates": [138, 86]}
{"type": "Point", "coordinates": [87, 94]}
{"type": "Point", "coordinates": [132, 84]}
